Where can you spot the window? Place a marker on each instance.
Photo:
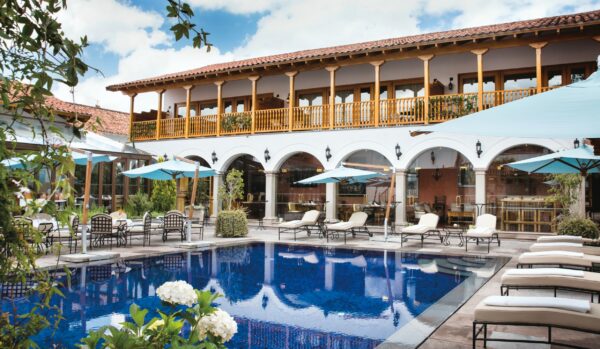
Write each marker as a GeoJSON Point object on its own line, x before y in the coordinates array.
{"type": "Point", "coordinates": [409, 90]}
{"type": "Point", "coordinates": [519, 81]}
{"type": "Point", "coordinates": [307, 99]}
{"type": "Point", "coordinates": [208, 109]}
{"type": "Point", "coordinates": [239, 105]}
{"type": "Point", "coordinates": [344, 96]}
{"type": "Point", "coordinates": [555, 78]}
{"type": "Point", "coordinates": [469, 85]}
{"type": "Point", "coordinates": [365, 94]}
{"type": "Point", "coordinates": [577, 74]}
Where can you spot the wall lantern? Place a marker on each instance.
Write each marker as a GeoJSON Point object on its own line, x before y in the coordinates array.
{"type": "Point", "coordinates": [267, 155]}
{"type": "Point", "coordinates": [432, 156]}
{"type": "Point", "coordinates": [576, 143]}
{"type": "Point", "coordinates": [398, 152]}
{"type": "Point", "coordinates": [437, 174]}
{"type": "Point", "coordinates": [165, 157]}
{"type": "Point", "coordinates": [214, 157]}
{"type": "Point", "coordinates": [451, 84]}
{"type": "Point", "coordinates": [478, 148]}
{"type": "Point", "coordinates": [327, 153]}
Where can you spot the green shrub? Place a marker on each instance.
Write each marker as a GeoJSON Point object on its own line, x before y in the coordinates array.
{"type": "Point", "coordinates": [164, 194]}
{"type": "Point", "coordinates": [231, 224]}
{"type": "Point", "coordinates": [92, 211]}
{"type": "Point", "coordinates": [584, 227]}
{"type": "Point", "coordinates": [138, 204]}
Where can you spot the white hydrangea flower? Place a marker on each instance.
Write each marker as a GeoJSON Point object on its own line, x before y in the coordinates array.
{"type": "Point", "coordinates": [177, 292]}
{"type": "Point", "coordinates": [219, 323]}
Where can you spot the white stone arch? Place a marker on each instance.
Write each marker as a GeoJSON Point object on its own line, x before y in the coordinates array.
{"type": "Point", "coordinates": [281, 155]}
{"type": "Point", "coordinates": [208, 160]}
{"type": "Point", "coordinates": [352, 148]}
{"type": "Point", "coordinates": [226, 160]}
{"type": "Point", "coordinates": [415, 150]}
{"type": "Point", "coordinates": [507, 143]}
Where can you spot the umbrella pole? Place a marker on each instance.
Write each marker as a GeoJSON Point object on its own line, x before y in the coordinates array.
{"type": "Point", "coordinates": [389, 203]}
{"type": "Point", "coordinates": [192, 199]}
{"type": "Point", "coordinates": [581, 195]}
{"type": "Point", "coordinates": [86, 200]}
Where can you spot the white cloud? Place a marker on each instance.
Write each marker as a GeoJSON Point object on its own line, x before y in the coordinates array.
{"type": "Point", "coordinates": [285, 25]}
{"type": "Point", "coordinates": [118, 27]}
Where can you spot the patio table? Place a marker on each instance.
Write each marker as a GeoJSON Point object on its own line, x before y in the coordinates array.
{"type": "Point", "coordinates": [455, 230]}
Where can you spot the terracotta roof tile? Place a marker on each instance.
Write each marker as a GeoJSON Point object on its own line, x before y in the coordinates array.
{"type": "Point", "coordinates": [99, 120]}
{"type": "Point", "coordinates": [421, 39]}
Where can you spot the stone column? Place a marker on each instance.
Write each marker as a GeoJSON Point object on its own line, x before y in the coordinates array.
{"type": "Point", "coordinates": [217, 180]}
{"type": "Point", "coordinates": [270, 196]}
{"type": "Point", "coordinates": [400, 197]}
{"type": "Point", "coordinates": [331, 191]}
{"type": "Point", "coordinates": [480, 195]}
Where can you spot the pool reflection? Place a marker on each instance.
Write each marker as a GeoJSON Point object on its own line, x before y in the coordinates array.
{"type": "Point", "coordinates": [281, 295]}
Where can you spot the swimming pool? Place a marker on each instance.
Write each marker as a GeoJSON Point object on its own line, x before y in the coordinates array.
{"type": "Point", "coordinates": [283, 295]}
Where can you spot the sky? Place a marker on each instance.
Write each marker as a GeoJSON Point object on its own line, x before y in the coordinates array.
{"type": "Point", "coordinates": [130, 39]}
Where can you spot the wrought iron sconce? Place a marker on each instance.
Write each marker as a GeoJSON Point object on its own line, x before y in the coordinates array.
{"type": "Point", "coordinates": [214, 157]}
{"type": "Point", "coordinates": [327, 153]}
{"type": "Point", "coordinates": [576, 143]}
{"type": "Point", "coordinates": [437, 174]}
{"type": "Point", "coordinates": [451, 84]}
{"type": "Point", "coordinates": [398, 152]}
{"type": "Point", "coordinates": [165, 157]}
{"type": "Point", "coordinates": [478, 148]}
{"type": "Point", "coordinates": [267, 155]}
{"type": "Point", "coordinates": [432, 155]}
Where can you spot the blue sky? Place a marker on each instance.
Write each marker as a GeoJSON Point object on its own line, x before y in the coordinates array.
{"type": "Point", "coordinates": [130, 39]}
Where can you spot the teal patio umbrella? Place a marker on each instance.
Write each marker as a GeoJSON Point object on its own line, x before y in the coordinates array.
{"type": "Point", "coordinates": [580, 160]}
{"type": "Point", "coordinates": [567, 112]}
{"type": "Point", "coordinates": [79, 159]}
{"type": "Point", "coordinates": [172, 170]}
{"type": "Point", "coordinates": [351, 175]}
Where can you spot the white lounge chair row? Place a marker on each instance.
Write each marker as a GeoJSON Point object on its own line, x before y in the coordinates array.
{"type": "Point", "coordinates": [574, 274]}
{"type": "Point", "coordinates": [310, 223]}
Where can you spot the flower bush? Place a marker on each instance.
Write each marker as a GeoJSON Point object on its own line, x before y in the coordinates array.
{"type": "Point", "coordinates": [177, 293]}
{"type": "Point", "coordinates": [575, 225]}
{"type": "Point", "coordinates": [191, 322]}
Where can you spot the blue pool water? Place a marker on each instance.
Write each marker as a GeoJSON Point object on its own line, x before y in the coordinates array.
{"type": "Point", "coordinates": [282, 296]}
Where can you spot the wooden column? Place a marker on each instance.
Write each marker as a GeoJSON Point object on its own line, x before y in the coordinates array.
{"type": "Point", "coordinates": [331, 70]}
{"type": "Point", "coordinates": [480, 53]}
{"type": "Point", "coordinates": [188, 104]}
{"type": "Point", "coordinates": [159, 112]}
{"type": "Point", "coordinates": [254, 80]}
{"type": "Point", "coordinates": [377, 66]}
{"type": "Point", "coordinates": [426, 59]}
{"type": "Point", "coordinates": [291, 98]}
{"type": "Point", "coordinates": [131, 112]}
{"type": "Point", "coordinates": [538, 46]}
{"type": "Point", "coordinates": [219, 104]}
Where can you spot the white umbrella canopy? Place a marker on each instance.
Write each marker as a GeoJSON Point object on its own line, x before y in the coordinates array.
{"type": "Point", "coordinates": [579, 160]}
{"type": "Point", "coordinates": [352, 175]}
{"type": "Point", "coordinates": [567, 112]}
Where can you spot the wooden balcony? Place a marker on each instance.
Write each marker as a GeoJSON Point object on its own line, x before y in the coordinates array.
{"type": "Point", "coordinates": [392, 112]}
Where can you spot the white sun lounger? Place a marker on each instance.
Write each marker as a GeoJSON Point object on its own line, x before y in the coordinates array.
{"type": "Point", "coordinates": [355, 225]}
{"type": "Point", "coordinates": [427, 227]}
{"type": "Point", "coordinates": [548, 312]}
{"type": "Point", "coordinates": [484, 231]}
{"type": "Point", "coordinates": [308, 221]}
{"type": "Point", "coordinates": [562, 259]}
{"type": "Point", "coordinates": [551, 279]}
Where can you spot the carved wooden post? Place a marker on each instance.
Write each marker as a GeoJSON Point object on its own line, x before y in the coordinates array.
{"type": "Point", "coordinates": [480, 53]}
{"type": "Point", "coordinates": [254, 80]}
{"type": "Point", "coordinates": [538, 46]}
{"type": "Point", "coordinates": [291, 99]}
{"type": "Point", "coordinates": [426, 59]}
{"type": "Point", "coordinates": [331, 70]}
{"type": "Point", "coordinates": [188, 105]}
{"type": "Point", "coordinates": [131, 112]}
{"type": "Point", "coordinates": [377, 109]}
{"type": "Point", "coordinates": [219, 104]}
{"type": "Point", "coordinates": [159, 112]}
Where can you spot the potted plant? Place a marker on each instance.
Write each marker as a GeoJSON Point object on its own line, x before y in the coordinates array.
{"type": "Point", "coordinates": [231, 222]}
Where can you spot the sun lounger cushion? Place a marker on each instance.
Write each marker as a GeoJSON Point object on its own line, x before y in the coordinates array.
{"type": "Point", "coordinates": [358, 219]}
{"type": "Point", "coordinates": [545, 272]}
{"type": "Point", "coordinates": [589, 281]}
{"type": "Point", "coordinates": [560, 238]}
{"type": "Point", "coordinates": [556, 253]}
{"type": "Point", "coordinates": [556, 246]}
{"type": "Point", "coordinates": [480, 232]}
{"type": "Point", "coordinates": [589, 321]}
{"type": "Point", "coordinates": [577, 305]}
{"type": "Point", "coordinates": [340, 226]}
{"type": "Point", "coordinates": [416, 229]}
{"type": "Point", "coordinates": [311, 217]}
{"type": "Point", "coordinates": [293, 224]}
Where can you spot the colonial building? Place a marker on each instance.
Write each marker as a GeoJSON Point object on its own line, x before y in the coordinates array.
{"type": "Point", "coordinates": [284, 117]}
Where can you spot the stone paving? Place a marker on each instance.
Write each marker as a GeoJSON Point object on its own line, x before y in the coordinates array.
{"type": "Point", "coordinates": [455, 332]}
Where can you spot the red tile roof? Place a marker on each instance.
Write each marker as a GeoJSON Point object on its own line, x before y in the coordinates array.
{"type": "Point", "coordinates": [99, 120]}
{"type": "Point", "coordinates": [547, 23]}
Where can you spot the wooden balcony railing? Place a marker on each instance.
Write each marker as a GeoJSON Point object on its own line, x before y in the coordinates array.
{"type": "Point", "coordinates": [236, 123]}
{"type": "Point", "coordinates": [392, 112]}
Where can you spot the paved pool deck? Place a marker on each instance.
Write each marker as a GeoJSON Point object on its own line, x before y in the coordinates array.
{"type": "Point", "coordinates": [455, 332]}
